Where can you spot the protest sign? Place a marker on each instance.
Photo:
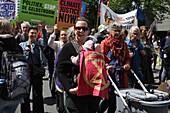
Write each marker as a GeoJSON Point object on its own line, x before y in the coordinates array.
{"type": "Point", "coordinates": [151, 28]}
{"type": "Point", "coordinates": [34, 11]}
{"type": "Point", "coordinates": [107, 15]}
{"type": "Point", "coordinates": [69, 11]}
{"type": "Point", "coordinates": [7, 9]}
{"type": "Point", "coordinates": [83, 9]}
{"type": "Point", "coordinates": [153, 24]}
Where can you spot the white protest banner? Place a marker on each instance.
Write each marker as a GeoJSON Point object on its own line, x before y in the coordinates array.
{"type": "Point", "coordinates": [7, 9]}
{"type": "Point", "coordinates": [127, 19]}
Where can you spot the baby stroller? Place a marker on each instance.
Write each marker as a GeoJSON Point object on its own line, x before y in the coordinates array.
{"type": "Point", "coordinates": [141, 101]}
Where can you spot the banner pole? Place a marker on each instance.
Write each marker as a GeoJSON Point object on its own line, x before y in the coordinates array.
{"type": "Point", "coordinates": [98, 14]}
{"type": "Point", "coordinates": [136, 21]}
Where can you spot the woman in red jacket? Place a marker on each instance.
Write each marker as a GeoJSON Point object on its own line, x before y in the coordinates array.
{"type": "Point", "coordinates": [117, 50]}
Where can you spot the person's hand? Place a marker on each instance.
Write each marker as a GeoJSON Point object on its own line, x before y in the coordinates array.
{"type": "Point", "coordinates": [131, 55]}
{"type": "Point", "coordinates": [152, 60]}
{"type": "Point", "coordinates": [43, 24]}
{"type": "Point", "coordinates": [110, 68]}
{"type": "Point", "coordinates": [97, 47]}
{"type": "Point", "coordinates": [72, 57]}
{"type": "Point", "coordinates": [55, 29]}
{"type": "Point", "coordinates": [73, 90]}
{"type": "Point", "coordinates": [126, 67]}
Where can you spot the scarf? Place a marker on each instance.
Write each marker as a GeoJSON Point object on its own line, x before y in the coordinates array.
{"type": "Point", "coordinates": [117, 47]}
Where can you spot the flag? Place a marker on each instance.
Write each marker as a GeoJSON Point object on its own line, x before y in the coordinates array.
{"type": "Point", "coordinates": [151, 27]}
{"type": "Point", "coordinates": [83, 9]}
{"type": "Point", "coordinates": [140, 14]}
{"type": "Point", "coordinates": [93, 75]}
{"type": "Point", "coordinates": [153, 24]}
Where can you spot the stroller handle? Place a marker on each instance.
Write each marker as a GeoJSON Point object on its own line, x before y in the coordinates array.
{"type": "Point", "coordinates": [141, 84]}
{"type": "Point", "coordinates": [120, 95]}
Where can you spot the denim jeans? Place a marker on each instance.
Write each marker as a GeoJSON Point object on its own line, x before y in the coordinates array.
{"type": "Point", "coordinates": [8, 106]}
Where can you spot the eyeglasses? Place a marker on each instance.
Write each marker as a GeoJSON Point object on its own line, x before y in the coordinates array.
{"type": "Point", "coordinates": [83, 28]}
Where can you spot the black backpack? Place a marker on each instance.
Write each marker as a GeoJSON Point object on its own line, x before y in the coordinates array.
{"type": "Point", "coordinates": [166, 55]}
{"type": "Point", "coordinates": [16, 74]}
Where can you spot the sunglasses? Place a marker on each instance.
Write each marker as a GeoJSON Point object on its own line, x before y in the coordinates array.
{"type": "Point", "coordinates": [83, 28]}
{"type": "Point", "coordinates": [117, 31]}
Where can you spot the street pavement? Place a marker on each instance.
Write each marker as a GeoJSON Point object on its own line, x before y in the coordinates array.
{"type": "Point", "coordinates": [50, 103]}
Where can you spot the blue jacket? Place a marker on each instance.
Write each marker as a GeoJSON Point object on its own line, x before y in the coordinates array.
{"type": "Point", "coordinates": [37, 48]}
{"type": "Point", "coordinates": [137, 57]}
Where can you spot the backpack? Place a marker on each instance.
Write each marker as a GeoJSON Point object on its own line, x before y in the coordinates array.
{"type": "Point", "coordinates": [15, 70]}
{"type": "Point", "coordinates": [166, 55]}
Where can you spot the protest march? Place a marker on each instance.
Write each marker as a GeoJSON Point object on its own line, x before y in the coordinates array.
{"type": "Point", "coordinates": [98, 56]}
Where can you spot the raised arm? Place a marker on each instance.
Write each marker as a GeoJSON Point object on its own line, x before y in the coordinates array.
{"type": "Point", "coordinates": [51, 41]}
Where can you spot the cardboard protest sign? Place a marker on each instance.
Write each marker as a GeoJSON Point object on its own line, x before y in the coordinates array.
{"type": "Point", "coordinates": [34, 11]}
{"type": "Point", "coordinates": [68, 12]}
{"type": "Point", "coordinates": [7, 9]}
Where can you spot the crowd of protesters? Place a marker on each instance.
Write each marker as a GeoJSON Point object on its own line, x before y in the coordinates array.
{"type": "Point", "coordinates": [61, 51]}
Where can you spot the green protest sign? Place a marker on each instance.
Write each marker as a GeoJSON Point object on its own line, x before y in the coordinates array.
{"type": "Point", "coordinates": [34, 11]}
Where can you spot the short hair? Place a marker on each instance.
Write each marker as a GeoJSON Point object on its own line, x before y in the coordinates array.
{"type": "Point", "coordinates": [82, 19]}
{"type": "Point", "coordinates": [25, 23]}
{"type": "Point", "coordinates": [32, 28]}
{"type": "Point", "coordinates": [156, 37]}
{"type": "Point", "coordinates": [168, 33]}
{"type": "Point", "coordinates": [5, 27]}
{"type": "Point", "coordinates": [142, 27]}
{"type": "Point", "coordinates": [114, 25]}
{"type": "Point", "coordinates": [131, 30]}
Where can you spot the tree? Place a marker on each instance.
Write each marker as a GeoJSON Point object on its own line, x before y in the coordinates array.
{"type": "Point", "coordinates": [154, 9]}
{"type": "Point", "coordinates": [92, 12]}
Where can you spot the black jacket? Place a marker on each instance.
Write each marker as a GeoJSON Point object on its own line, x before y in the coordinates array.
{"type": "Point", "coordinates": [65, 67]}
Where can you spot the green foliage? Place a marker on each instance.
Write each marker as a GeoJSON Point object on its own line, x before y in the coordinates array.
{"type": "Point", "coordinates": [120, 6]}
{"type": "Point", "coordinates": [154, 9]}
{"type": "Point", "coordinates": [13, 22]}
{"type": "Point", "coordinates": [92, 12]}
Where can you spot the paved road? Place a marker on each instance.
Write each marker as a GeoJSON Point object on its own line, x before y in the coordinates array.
{"type": "Point", "coordinates": [50, 103]}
